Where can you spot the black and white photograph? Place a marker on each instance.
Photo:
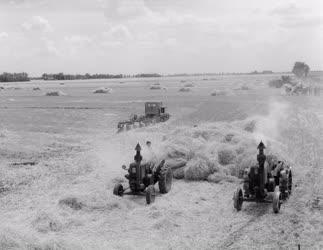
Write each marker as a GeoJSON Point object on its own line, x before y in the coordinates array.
{"type": "Point", "coordinates": [161, 124]}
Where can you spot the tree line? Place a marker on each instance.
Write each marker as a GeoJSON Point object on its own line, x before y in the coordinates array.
{"type": "Point", "coordinates": [62, 76]}
{"type": "Point", "coordinates": [300, 69]}
{"type": "Point", "coordinates": [22, 77]}
{"type": "Point", "coordinates": [14, 77]}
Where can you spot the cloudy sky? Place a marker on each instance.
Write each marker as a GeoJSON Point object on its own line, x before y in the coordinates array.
{"type": "Point", "coordinates": [165, 36]}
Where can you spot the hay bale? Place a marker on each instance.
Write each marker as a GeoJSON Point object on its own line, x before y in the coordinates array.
{"type": "Point", "coordinates": [218, 178]}
{"type": "Point", "coordinates": [216, 92]}
{"type": "Point", "coordinates": [179, 173]}
{"type": "Point", "coordinates": [276, 83]}
{"type": "Point", "coordinates": [205, 134]}
{"type": "Point", "coordinates": [175, 163]}
{"type": "Point", "coordinates": [178, 149]}
{"type": "Point", "coordinates": [226, 156]}
{"type": "Point", "coordinates": [198, 169]}
{"type": "Point", "coordinates": [244, 87]}
{"type": "Point", "coordinates": [250, 126]}
{"type": "Point", "coordinates": [154, 87]}
{"type": "Point", "coordinates": [232, 170]}
{"type": "Point", "coordinates": [245, 162]}
{"type": "Point", "coordinates": [286, 79]}
{"type": "Point", "coordinates": [103, 90]}
{"type": "Point", "coordinates": [240, 150]}
{"type": "Point", "coordinates": [45, 223]}
{"type": "Point", "coordinates": [72, 202]}
{"type": "Point", "coordinates": [236, 139]}
{"type": "Point", "coordinates": [184, 89]}
{"type": "Point", "coordinates": [55, 93]}
{"type": "Point", "coordinates": [215, 178]}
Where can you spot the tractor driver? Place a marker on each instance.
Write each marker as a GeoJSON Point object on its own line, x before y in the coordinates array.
{"type": "Point", "coordinates": [151, 156]}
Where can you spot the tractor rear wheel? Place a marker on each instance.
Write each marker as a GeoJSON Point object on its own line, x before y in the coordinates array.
{"type": "Point", "coordinates": [165, 179]}
{"type": "Point", "coordinates": [150, 194]}
{"type": "Point", "coordinates": [118, 189]}
{"type": "Point", "coordinates": [238, 199]}
{"type": "Point", "coordinates": [277, 201]}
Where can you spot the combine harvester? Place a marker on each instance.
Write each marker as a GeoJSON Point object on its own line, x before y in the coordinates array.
{"type": "Point", "coordinates": [267, 183]}
{"type": "Point", "coordinates": [154, 113]}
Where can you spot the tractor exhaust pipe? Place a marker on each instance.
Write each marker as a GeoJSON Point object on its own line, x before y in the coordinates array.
{"type": "Point", "coordinates": [261, 158]}
{"type": "Point", "coordinates": [138, 159]}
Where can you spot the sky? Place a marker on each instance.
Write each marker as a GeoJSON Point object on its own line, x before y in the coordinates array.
{"type": "Point", "coordinates": [163, 36]}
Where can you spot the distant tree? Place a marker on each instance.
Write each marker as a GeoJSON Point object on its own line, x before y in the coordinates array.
{"type": "Point", "coordinates": [301, 69]}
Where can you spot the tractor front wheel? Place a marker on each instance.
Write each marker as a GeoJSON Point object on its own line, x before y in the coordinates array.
{"type": "Point", "coordinates": [277, 201]}
{"type": "Point", "coordinates": [150, 194]}
{"type": "Point", "coordinates": [118, 189]}
{"type": "Point", "coordinates": [238, 199]}
{"type": "Point", "coordinates": [165, 179]}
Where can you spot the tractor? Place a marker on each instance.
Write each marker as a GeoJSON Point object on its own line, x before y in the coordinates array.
{"type": "Point", "coordinates": [142, 178]}
{"type": "Point", "coordinates": [154, 112]}
{"type": "Point", "coordinates": [266, 182]}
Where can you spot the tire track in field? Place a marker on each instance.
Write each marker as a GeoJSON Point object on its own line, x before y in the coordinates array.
{"type": "Point", "coordinates": [237, 234]}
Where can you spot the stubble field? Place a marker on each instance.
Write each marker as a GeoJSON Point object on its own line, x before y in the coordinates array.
{"type": "Point", "coordinates": [60, 157]}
